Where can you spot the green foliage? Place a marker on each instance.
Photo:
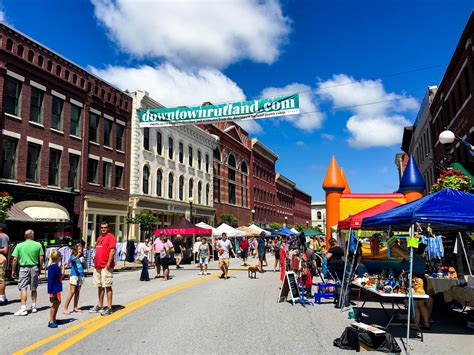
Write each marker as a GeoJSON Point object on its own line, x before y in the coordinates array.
{"type": "Point", "coordinates": [229, 218]}
{"type": "Point", "coordinates": [6, 201]}
{"type": "Point", "coordinates": [275, 226]}
{"type": "Point", "coordinates": [316, 228]}
{"type": "Point", "coordinates": [299, 227]}
{"type": "Point", "coordinates": [146, 221]}
{"type": "Point", "coordinates": [453, 179]}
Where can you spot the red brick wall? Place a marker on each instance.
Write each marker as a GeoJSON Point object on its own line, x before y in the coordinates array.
{"type": "Point", "coordinates": [263, 189]}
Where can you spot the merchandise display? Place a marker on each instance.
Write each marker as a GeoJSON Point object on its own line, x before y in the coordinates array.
{"type": "Point", "coordinates": [386, 282]}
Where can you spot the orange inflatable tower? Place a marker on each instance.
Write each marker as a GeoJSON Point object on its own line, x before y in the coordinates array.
{"type": "Point", "coordinates": [334, 185]}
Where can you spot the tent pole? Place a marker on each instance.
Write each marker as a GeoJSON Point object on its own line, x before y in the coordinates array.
{"type": "Point", "coordinates": [351, 270]}
{"type": "Point", "coordinates": [410, 290]}
{"type": "Point", "coordinates": [345, 266]}
{"type": "Point", "coordinates": [465, 254]}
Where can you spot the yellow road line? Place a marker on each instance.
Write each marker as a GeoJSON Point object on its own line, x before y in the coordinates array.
{"type": "Point", "coordinates": [91, 325]}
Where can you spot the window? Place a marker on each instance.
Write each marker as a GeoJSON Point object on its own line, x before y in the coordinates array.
{"type": "Point", "coordinates": [181, 188]}
{"type": "Point", "coordinates": [207, 194]}
{"type": "Point", "coordinates": [170, 185]}
{"type": "Point", "coordinates": [159, 144]}
{"type": "Point", "coordinates": [40, 61]}
{"type": "Point", "coordinates": [73, 174]}
{"type": "Point", "coordinates": [107, 174]}
{"type": "Point", "coordinates": [159, 183]}
{"type": "Point", "coordinates": [12, 99]}
{"type": "Point", "coordinates": [92, 166]}
{"type": "Point", "coordinates": [54, 166]}
{"type": "Point", "coordinates": [146, 180]}
{"type": "Point", "coordinates": [318, 214]}
{"type": "Point", "coordinates": [181, 153]}
{"type": "Point", "coordinates": [207, 163]}
{"type": "Point", "coordinates": [118, 176]}
{"type": "Point", "coordinates": [199, 192]}
{"type": "Point", "coordinates": [218, 192]}
{"type": "Point", "coordinates": [75, 128]}
{"type": "Point", "coordinates": [36, 105]}
{"type": "Point", "coordinates": [33, 162]}
{"type": "Point", "coordinates": [191, 188]}
{"type": "Point", "coordinates": [146, 138]}
{"type": "Point", "coordinates": [56, 113]}
{"type": "Point", "coordinates": [93, 127]}
{"type": "Point", "coordinates": [231, 176]}
{"type": "Point", "coordinates": [107, 133]}
{"type": "Point", "coordinates": [217, 154]}
{"type": "Point", "coordinates": [467, 84]}
{"type": "Point", "coordinates": [119, 136]}
{"type": "Point", "coordinates": [199, 159]}
{"type": "Point", "coordinates": [9, 157]}
{"type": "Point", "coordinates": [170, 148]}
{"type": "Point", "coordinates": [190, 155]}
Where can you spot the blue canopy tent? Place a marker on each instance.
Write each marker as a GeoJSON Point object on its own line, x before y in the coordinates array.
{"type": "Point", "coordinates": [286, 231]}
{"type": "Point", "coordinates": [448, 210]}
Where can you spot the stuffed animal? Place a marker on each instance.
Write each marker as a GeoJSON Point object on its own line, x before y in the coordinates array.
{"type": "Point", "coordinates": [418, 286]}
{"type": "Point", "coordinates": [452, 274]}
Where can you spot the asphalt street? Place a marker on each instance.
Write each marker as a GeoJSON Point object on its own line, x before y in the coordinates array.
{"type": "Point", "coordinates": [191, 314]}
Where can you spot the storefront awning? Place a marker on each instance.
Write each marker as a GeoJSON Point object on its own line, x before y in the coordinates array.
{"type": "Point", "coordinates": [41, 211]}
{"type": "Point", "coordinates": [16, 214]}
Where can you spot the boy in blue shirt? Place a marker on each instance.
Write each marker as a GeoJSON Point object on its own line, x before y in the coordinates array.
{"type": "Point", "coordinates": [55, 287]}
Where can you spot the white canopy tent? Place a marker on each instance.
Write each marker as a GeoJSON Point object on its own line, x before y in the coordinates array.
{"type": "Point", "coordinates": [206, 226]}
{"type": "Point", "coordinates": [260, 230]}
{"type": "Point", "coordinates": [230, 231]}
{"type": "Point", "coordinates": [294, 230]}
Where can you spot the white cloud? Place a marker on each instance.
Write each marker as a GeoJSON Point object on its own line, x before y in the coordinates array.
{"type": "Point", "coordinates": [308, 103]}
{"type": "Point", "coordinates": [2, 16]}
{"type": "Point", "coordinates": [197, 33]}
{"type": "Point", "coordinates": [372, 125]}
{"type": "Point", "coordinates": [300, 143]}
{"type": "Point", "coordinates": [328, 136]}
{"type": "Point", "coordinates": [251, 126]}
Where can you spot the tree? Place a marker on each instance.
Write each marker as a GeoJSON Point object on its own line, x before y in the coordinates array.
{"type": "Point", "coordinates": [299, 227]}
{"type": "Point", "coordinates": [146, 221]}
{"type": "Point", "coordinates": [275, 226]}
{"type": "Point", "coordinates": [229, 218]}
{"type": "Point", "coordinates": [453, 179]}
{"type": "Point", "coordinates": [6, 201]}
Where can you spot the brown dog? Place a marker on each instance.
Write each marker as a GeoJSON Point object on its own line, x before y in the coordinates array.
{"type": "Point", "coordinates": [252, 272]}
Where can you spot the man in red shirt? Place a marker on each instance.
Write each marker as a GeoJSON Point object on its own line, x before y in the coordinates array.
{"type": "Point", "coordinates": [103, 269]}
{"type": "Point", "coordinates": [244, 250]}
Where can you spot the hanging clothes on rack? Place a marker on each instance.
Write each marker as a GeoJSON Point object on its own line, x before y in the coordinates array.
{"type": "Point", "coordinates": [130, 251]}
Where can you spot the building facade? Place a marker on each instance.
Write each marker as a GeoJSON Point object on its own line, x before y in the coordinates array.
{"type": "Point", "coordinates": [64, 138]}
{"type": "Point", "coordinates": [171, 169]}
{"type": "Point", "coordinates": [285, 201]}
{"type": "Point", "coordinates": [232, 178]}
{"type": "Point", "coordinates": [318, 214]}
{"type": "Point", "coordinates": [302, 211]}
{"type": "Point", "coordinates": [263, 189]}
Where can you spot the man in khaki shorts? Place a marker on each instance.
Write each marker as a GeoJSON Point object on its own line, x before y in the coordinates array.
{"type": "Point", "coordinates": [224, 247]}
{"type": "Point", "coordinates": [104, 267]}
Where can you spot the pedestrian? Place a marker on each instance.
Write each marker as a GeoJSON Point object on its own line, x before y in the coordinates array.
{"type": "Point", "coordinates": [334, 259]}
{"type": "Point", "coordinates": [224, 247]}
{"type": "Point", "coordinates": [165, 257]}
{"type": "Point", "coordinates": [244, 250]}
{"type": "Point", "coordinates": [55, 286]}
{"type": "Point", "coordinates": [88, 255]}
{"type": "Point", "coordinates": [261, 250]}
{"type": "Point", "coordinates": [276, 244]}
{"type": "Point", "coordinates": [29, 254]}
{"type": "Point", "coordinates": [203, 255]}
{"type": "Point", "coordinates": [145, 276]}
{"type": "Point", "coordinates": [104, 267]}
{"type": "Point", "coordinates": [253, 244]}
{"type": "Point", "coordinates": [4, 240]}
{"type": "Point", "coordinates": [76, 278]}
{"type": "Point", "coordinates": [157, 245]}
{"type": "Point", "coordinates": [216, 251]}
{"type": "Point", "coordinates": [196, 246]}
{"type": "Point", "coordinates": [178, 250]}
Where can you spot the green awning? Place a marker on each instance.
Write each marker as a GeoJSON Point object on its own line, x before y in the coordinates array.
{"type": "Point", "coordinates": [312, 233]}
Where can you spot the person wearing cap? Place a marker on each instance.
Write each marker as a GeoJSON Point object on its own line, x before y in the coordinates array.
{"type": "Point", "coordinates": [261, 250]}
{"type": "Point", "coordinates": [3, 264]}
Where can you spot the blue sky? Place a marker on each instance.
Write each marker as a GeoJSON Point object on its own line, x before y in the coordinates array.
{"type": "Point", "coordinates": [339, 53]}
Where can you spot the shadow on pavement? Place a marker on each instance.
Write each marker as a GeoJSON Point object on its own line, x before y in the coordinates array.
{"type": "Point", "coordinates": [65, 321]}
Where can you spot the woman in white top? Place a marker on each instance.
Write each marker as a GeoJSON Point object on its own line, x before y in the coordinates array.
{"type": "Point", "coordinates": [145, 276]}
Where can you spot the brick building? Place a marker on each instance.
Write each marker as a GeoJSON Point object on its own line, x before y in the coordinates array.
{"type": "Point", "coordinates": [285, 201]}
{"type": "Point", "coordinates": [232, 178]}
{"type": "Point", "coordinates": [263, 188]}
{"type": "Point", "coordinates": [302, 210]}
{"type": "Point", "coordinates": [64, 139]}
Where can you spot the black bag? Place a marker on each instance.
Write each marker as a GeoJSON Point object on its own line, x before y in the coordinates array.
{"type": "Point", "coordinates": [351, 337]}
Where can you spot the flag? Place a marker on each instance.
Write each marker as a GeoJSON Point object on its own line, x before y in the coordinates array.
{"type": "Point", "coordinates": [469, 147]}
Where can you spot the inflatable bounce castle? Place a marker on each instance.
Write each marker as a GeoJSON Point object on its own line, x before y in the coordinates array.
{"type": "Point", "coordinates": [342, 203]}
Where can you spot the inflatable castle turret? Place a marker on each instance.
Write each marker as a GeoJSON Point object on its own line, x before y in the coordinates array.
{"type": "Point", "coordinates": [341, 202]}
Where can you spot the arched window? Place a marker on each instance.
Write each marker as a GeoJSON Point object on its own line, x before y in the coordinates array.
{"type": "Point", "coordinates": [50, 65]}
{"type": "Point", "coordinates": [58, 70]}
{"type": "Point", "coordinates": [40, 61]}
{"type": "Point", "coordinates": [9, 44]}
{"type": "Point", "coordinates": [243, 167]}
{"type": "Point", "coordinates": [190, 156]}
{"type": "Point", "coordinates": [170, 148]}
{"type": "Point", "coordinates": [159, 183]}
{"type": "Point", "coordinates": [319, 216]}
{"type": "Point", "coordinates": [207, 163]}
{"type": "Point", "coordinates": [191, 187]}
{"type": "Point", "coordinates": [231, 168]}
{"type": "Point", "coordinates": [217, 154]}
{"type": "Point", "coordinates": [20, 50]}
{"type": "Point", "coordinates": [30, 55]}
{"type": "Point", "coordinates": [199, 192]}
{"type": "Point", "coordinates": [66, 75]}
{"type": "Point", "coordinates": [181, 188]}
{"type": "Point", "coordinates": [181, 152]}
{"type": "Point", "coordinates": [199, 159]}
{"type": "Point", "coordinates": [82, 83]}
{"type": "Point", "coordinates": [207, 194]}
{"type": "Point", "coordinates": [74, 79]}
{"type": "Point", "coordinates": [170, 185]}
{"type": "Point", "coordinates": [146, 180]}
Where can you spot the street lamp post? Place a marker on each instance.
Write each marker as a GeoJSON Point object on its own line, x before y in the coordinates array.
{"type": "Point", "coordinates": [307, 224]}
{"type": "Point", "coordinates": [253, 216]}
{"type": "Point", "coordinates": [447, 138]}
{"type": "Point", "coordinates": [286, 221]}
{"type": "Point", "coordinates": [191, 200]}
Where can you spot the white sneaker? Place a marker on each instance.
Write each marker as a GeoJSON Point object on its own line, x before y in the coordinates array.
{"type": "Point", "coordinates": [21, 312]}
{"type": "Point", "coordinates": [33, 309]}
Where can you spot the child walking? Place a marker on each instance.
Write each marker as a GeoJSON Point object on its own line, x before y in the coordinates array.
{"type": "Point", "coordinates": [76, 278]}
{"type": "Point", "coordinates": [55, 287]}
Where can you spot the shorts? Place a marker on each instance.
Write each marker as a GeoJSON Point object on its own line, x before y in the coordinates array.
{"type": "Point", "coordinates": [103, 278]}
{"type": "Point", "coordinates": [55, 297]}
{"type": "Point", "coordinates": [204, 261]}
{"type": "Point", "coordinates": [157, 259]}
{"type": "Point", "coordinates": [2, 272]}
{"type": "Point", "coordinates": [224, 262]}
{"type": "Point", "coordinates": [178, 255]}
{"type": "Point", "coordinates": [165, 263]}
{"type": "Point", "coordinates": [76, 280]}
{"type": "Point", "coordinates": [261, 256]}
{"type": "Point", "coordinates": [244, 254]}
{"type": "Point", "coordinates": [28, 276]}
